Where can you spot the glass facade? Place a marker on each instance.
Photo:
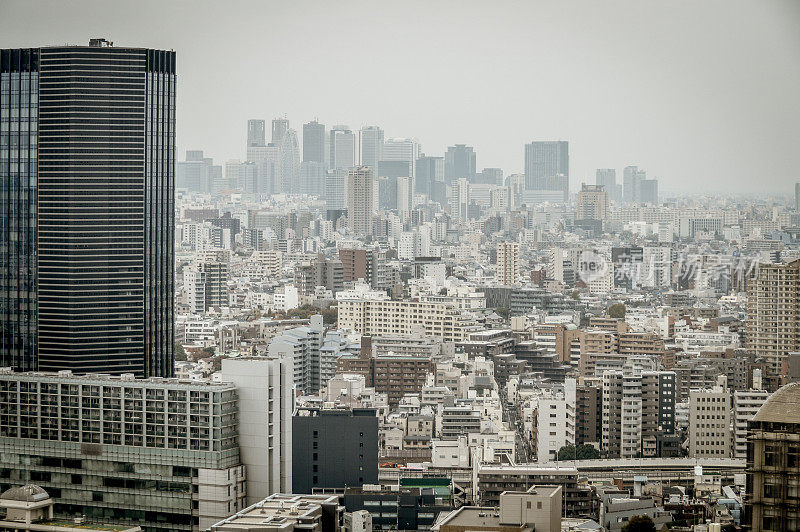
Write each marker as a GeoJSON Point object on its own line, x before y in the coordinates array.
{"type": "Point", "coordinates": [87, 235]}
{"type": "Point", "coordinates": [19, 80]}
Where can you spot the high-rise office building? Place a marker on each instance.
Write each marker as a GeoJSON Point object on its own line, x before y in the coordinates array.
{"type": "Point", "coordinates": [360, 182]}
{"type": "Point", "coordinates": [607, 177]}
{"type": "Point", "coordinates": [370, 146]}
{"type": "Point", "coordinates": [507, 263]}
{"type": "Point", "coordinates": [547, 166]}
{"type": "Point", "coordinates": [279, 128]}
{"type": "Point", "coordinates": [342, 148]}
{"type": "Point", "coordinates": [773, 317]}
{"type": "Point", "coordinates": [402, 149]}
{"type": "Point", "coordinates": [459, 161]}
{"type": "Point", "coordinates": [429, 172]}
{"type": "Point", "coordinates": [710, 434]}
{"type": "Point", "coordinates": [314, 142]}
{"type": "Point", "coordinates": [256, 133]}
{"type": "Point", "coordinates": [88, 209]}
{"type": "Point", "coordinates": [632, 179]}
{"type": "Point", "coordinates": [797, 197]}
{"type": "Point", "coordinates": [648, 191]}
{"type": "Point", "coordinates": [289, 163]}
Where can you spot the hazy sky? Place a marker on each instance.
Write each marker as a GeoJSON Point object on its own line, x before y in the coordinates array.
{"type": "Point", "coordinates": [704, 95]}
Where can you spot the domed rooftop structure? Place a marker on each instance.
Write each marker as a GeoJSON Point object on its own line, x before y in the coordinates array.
{"type": "Point", "coordinates": [782, 406]}
{"type": "Point", "coordinates": [27, 493]}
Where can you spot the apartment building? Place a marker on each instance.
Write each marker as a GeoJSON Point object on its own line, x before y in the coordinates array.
{"type": "Point", "coordinates": [637, 409]}
{"type": "Point", "coordinates": [159, 453]}
{"type": "Point", "coordinates": [380, 318]}
{"type": "Point", "coordinates": [773, 317]}
{"type": "Point", "coordinates": [746, 404]}
{"type": "Point", "coordinates": [710, 434]}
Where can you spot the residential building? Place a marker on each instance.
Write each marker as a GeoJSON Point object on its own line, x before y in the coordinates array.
{"type": "Point", "coordinates": [773, 318]}
{"type": "Point", "coordinates": [360, 200]}
{"type": "Point", "coordinates": [312, 366]}
{"type": "Point", "coordinates": [592, 203]}
{"type": "Point", "coordinates": [380, 318]}
{"type": "Point", "coordinates": [130, 451]}
{"type": "Point", "coordinates": [508, 263]}
{"type": "Point", "coordinates": [746, 404]}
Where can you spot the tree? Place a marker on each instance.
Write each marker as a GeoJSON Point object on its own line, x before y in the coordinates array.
{"type": "Point", "coordinates": [180, 353]}
{"type": "Point", "coordinates": [640, 523]}
{"type": "Point", "coordinates": [503, 312]}
{"type": "Point", "coordinates": [581, 452]}
{"type": "Point", "coordinates": [617, 310]}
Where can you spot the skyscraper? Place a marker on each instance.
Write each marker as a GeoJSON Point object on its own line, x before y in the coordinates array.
{"type": "Point", "coordinates": [343, 148]}
{"type": "Point", "coordinates": [547, 166]}
{"type": "Point", "coordinates": [632, 179]}
{"type": "Point", "coordinates": [360, 200]}
{"type": "Point", "coordinates": [314, 142]}
{"type": "Point", "coordinates": [607, 177]}
{"type": "Point", "coordinates": [429, 171]}
{"type": "Point", "coordinates": [370, 142]}
{"type": "Point", "coordinates": [289, 163]}
{"type": "Point", "coordinates": [279, 128]}
{"type": "Point", "coordinates": [459, 161]}
{"type": "Point", "coordinates": [256, 135]}
{"type": "Point", "coordinates": [648, 191]}
{"type": "Point", "coordinates": [402, 149]}
{"type": "Point", "coordinates": [87, 246]}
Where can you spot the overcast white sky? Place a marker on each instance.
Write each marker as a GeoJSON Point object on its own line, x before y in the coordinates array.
{"type": "Point", "coordinates": [705, 95]}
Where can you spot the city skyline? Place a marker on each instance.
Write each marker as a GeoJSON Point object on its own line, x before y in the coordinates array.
{"type": "Point", "coordinates": [719, 95]}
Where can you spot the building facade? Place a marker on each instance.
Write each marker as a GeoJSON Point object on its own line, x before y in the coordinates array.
{"type": "Point", "coordinates": [161, 454]}
{"type": "Point", "coordinates": [88, 216]}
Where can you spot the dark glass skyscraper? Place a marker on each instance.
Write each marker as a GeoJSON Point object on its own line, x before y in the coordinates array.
{"type": "Point", "coordinates": [86, 243]}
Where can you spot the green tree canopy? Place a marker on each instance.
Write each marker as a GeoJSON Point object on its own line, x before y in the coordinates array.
{"type": "Point", "coordinates": [581, 452]}
{"type": "Point", "coordinates": [617, 310]}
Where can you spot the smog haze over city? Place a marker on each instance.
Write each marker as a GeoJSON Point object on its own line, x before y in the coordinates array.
{"type": "Point", "coordinates": [702, 94]}
{"type": "Point", "coordinates": [353, 266]}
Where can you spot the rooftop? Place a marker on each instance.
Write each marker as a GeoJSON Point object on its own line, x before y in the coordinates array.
{"type": "Point", "coordinates": [782, 406]}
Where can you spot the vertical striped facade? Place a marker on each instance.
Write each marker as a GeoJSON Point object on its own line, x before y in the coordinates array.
{"type": "Point", "coordinates": [100, 205]}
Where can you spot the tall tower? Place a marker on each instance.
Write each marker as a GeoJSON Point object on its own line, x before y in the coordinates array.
{"type": "Point", "coordinates": [279, 128]}
{"type": "Point", "coordinates": [459, 161]}
{"type": "Point", "coordinates": [360, 200]}
{"type": "Point", "coordinates": [370, 143]}
{"type": "Point", "coordinates": [343, 148]}
{"type": "Point", "coordinates": [86, 253]}
{"type": "Point", "coordinates": [256, 135]}
{"type": "Point", "coordinates": [314, 142]}
{"type": "Point", "coordinates": [547, 166]}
